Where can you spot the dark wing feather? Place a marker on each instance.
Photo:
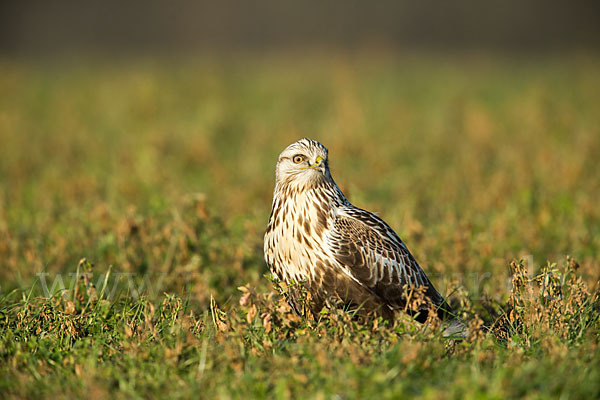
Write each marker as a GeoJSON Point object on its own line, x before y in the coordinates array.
{"type": "Point", "coordinates": [374, 255]}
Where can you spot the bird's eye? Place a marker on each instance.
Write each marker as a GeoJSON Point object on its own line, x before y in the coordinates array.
{"type": "Point", "coordinates": [298, 159]}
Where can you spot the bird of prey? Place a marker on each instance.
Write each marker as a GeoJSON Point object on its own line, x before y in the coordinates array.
{"type": "Point", "coordinates": [316, 237]}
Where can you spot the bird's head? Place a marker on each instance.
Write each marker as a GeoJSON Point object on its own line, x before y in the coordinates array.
{"type": "Point", "coordinates": [303, 163]}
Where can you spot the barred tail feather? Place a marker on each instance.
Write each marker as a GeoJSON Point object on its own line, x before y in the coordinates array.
{"type": "Point", "coordinates": [455, 329]}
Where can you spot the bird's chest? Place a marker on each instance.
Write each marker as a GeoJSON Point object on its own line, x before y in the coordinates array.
{"type": "Point", "coordinates": [295, 240]}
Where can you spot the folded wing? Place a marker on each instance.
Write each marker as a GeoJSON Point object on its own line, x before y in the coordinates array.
{"type": "Point", "coordinates": [375, 256]}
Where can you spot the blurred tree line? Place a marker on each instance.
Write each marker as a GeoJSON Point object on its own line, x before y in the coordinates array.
{"type": "Point", "coordinates": [138, 26]}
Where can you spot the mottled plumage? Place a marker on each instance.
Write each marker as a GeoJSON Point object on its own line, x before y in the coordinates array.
{"type": "Point", "coordinates": [316, 236]}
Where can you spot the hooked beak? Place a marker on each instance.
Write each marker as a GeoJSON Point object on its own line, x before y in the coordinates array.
{"type": "Point", "coordinates": [319, 165]}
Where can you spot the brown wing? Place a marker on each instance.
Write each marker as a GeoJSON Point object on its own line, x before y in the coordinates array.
{"type": "Point", "coordinates": [374, 255]}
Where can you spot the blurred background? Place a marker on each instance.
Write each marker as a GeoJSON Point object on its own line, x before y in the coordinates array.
{"type": "Point", "coordinates": [144, 134]}
{"type": "Point", "coordinates": [187, 26]}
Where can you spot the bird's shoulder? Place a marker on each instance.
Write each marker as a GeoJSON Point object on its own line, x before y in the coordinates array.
{"type": "Point", "coordinates": [371, 251]}
{"type": "Point", "coordinates": [363, 224]}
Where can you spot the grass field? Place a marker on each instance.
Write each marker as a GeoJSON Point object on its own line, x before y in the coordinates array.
{"type": "Point", "coordinates": [160, 175]}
